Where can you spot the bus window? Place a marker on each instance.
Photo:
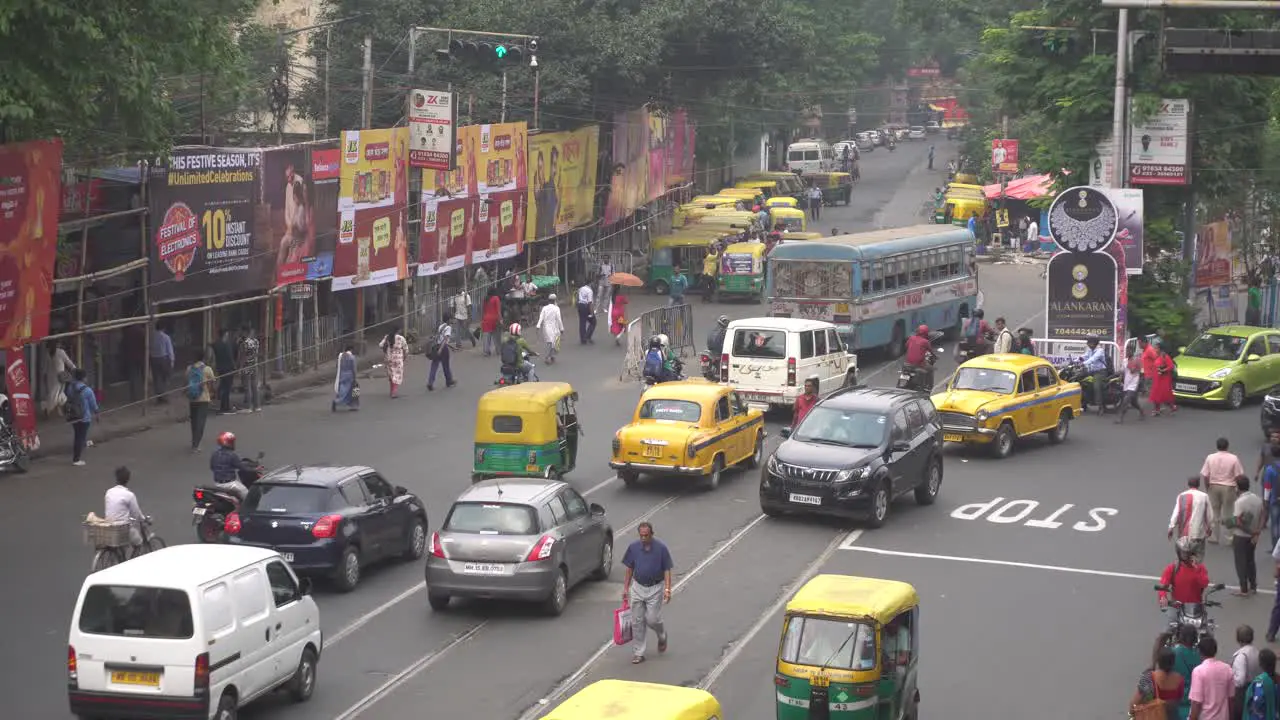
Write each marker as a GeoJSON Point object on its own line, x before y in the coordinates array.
{"type": "Point", "coordinates": [915, 262]}
{"type": "Point", "coordinates": [956, 261]}
{"type": "Point", "coordinates": [866, 278]}
{"type": "Point", "coordinates": [890, 274]}
{"type": "Point", "coordinates": [900, 266]}
{"type": "Point", "coordinates": [935, 267]}
{"type": "Point", "coordinates": [877, 277]}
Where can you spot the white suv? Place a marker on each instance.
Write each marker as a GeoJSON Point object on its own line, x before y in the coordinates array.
{"type": "Point", "coordinates": [767, 359]}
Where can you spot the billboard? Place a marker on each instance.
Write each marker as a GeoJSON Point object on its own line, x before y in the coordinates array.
{"type": "Point", "coordinates": [208, 238]}
{"type": "Point", "coordinates": [1213, 255]}
{"type": "Point", "coordinates": [326, 165]}
{"type": "Point", "coordinates": [651, 151]}
{"type": "Point", "coordinates": [30, 197]}
{"type": "Point", "coordinates": [1158, 147]}
{"type": "Point", "coordinates": [1004, 156]}
{"type": "Point", "coordinates": [1081, 296]}
{"type": "Point", "coordinates": [373, 192]}
{"type": "Point", "coordinates": [1102, 169]}
{"type": "Point", "coordinates": [562, 181]}
{"type": "Point", "coordinates": [433, 118]}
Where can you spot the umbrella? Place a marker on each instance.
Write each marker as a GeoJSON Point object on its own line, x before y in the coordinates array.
{"type": "Point", "coordinates": [625, 280]}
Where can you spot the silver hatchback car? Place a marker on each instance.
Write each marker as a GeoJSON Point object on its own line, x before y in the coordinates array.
{"type": "Point", "coordinates": [528, 539]}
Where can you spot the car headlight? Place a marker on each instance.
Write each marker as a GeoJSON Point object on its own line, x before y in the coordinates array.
{"type": "Point", "coordinates": [852, 474]}
{"type": "Point", "coordinates": [1221, 373]}
{"type": "Point", "coordinates": [983, 416]}
{"type": "Point", "coordinates": [772, 465]}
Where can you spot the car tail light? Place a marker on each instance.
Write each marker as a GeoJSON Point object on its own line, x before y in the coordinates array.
{"type": "Point", "coordinates": [704, 358]}
{"type": "Point", "coordinates": [197, 495]}
{"type": "Point", "coordinates": [724, 367]}
{"type": "Point", "coordinates": [437, 548]}
{"type": "Point", "coordinates": [326, 527]}
{"type": "Point", "coordinates": [541, 549]}
{"type": "Point", "coordinates": [791, 372]}
{"type": "Point", "coordinates": [73, 674]}
{"type": "Point", "coordinates": [202, 674]}
{"type": "Point", "coordinates": [232, 525]}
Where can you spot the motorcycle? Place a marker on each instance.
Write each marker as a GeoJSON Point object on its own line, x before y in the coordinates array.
{"type": "Point", "coordinates": [1112, 392]}
{"type": "Point", "coordinates": [214, 504]}
{"type": "Point", "coordinates": [920, 378]}
{"type": "Point", "coordinates": [651, 380]}
{"type": "Point", "coordinates": [13, 453]}
{"type": "Point", "coordinates": [1194, 614]}
{"type": "Point", "coordinates": [710, 366]}
{"type": "Point", "coordinates": [508, 375]}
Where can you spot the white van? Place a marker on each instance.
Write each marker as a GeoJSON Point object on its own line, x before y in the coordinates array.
{"type": "Point", "coordinates": [192, 631]}
{"type": "Point", "coordinates": [810, 156]}
{"type": "Point", "coordinates": [767, 359]}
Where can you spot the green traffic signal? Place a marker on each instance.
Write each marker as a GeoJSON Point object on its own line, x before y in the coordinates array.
{"type": "Point", "coordinates": [500, 51]}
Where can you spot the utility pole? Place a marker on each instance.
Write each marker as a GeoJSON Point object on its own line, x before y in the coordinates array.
{"type": "Point", "coordinates": [328, 45]}
{"type": "Point", "coordinates": [504, 97]}
{"type": "Point", "coordinates": [366, 114]}
{"type": "Point", "coordinates": [1120, 112]}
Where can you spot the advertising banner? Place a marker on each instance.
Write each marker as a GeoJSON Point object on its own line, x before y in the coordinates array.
{"type": "Point", "coordinates": [373, 192]}
{"type": "Point", "coordinates": [1102, 169]}
{"type": "Point", "coordinates": [287, 196]}
{"type": "Point", "coordinates": [30, 187]}
{"type": "Point", "coordinates": [1158, 148]}
{"type": "Point", "coordinates": [654, 152]}
{"type": "Point", "coordinates": [433, 117]}
{"type": "Point", "coordinates": [207, 236]}
{"type": "Point", "coordinates": [1213, 255]}
{"type": "Point", "coordinates": [1081, 296]}
{"type": "Point", "coordinates": [562, 181]}
{"type": "Point", "coordinates": [1004, 156]}
{"type": "Point", "coordinates": [326, 166]}
{"type": "Point", "coordinates": [1129, 233]}
{"type": "Point", "coordinates": [447, 228]}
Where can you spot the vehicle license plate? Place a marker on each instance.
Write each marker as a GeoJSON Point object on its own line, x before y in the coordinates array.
{"type": "Point", "coordinates": [904, 377]}
{"type": "Point", "coordinates": [952, 437]}
{"type": "Point", "coordinates": [653, 451]}
{"type": "Point", "coordinates": [288, 557]}
{"type": "Point", "coordinates": [752, 397]}
{"type": "Point", "coordinates": [198, 512]}
{"type": "Point", "coordinates": [484, 569]}
{"type": "Point", "coordinates": [131, 677]}
{"type": "Point", "coordinates": [806, 499]}
{"type": "Point", "coordinates": [1184, 387]}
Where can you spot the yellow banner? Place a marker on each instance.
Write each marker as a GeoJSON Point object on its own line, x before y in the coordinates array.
{"type": "Point", "coordinates": [562, 181]}
{"type": "Point", "coordinates": [373, 162]}
{"type": "Point", "coordinates": [491, 159]}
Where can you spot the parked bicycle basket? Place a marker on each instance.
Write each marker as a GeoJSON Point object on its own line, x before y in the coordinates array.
{"type": "Point", "coordinates": [106, 535]}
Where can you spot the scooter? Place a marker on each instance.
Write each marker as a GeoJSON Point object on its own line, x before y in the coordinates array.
{"type": "Point", "coordinates": [508, 375]}
{"type": "Point", "coordinates": [710, 366]}
{"type": "Point", "coordinates": [918, 378]}
{"type": "Point", "coordinates": [13, 454]}
{"type": "Point", "coordinates": [1112, 392]}
{"type": "Point", "coordinates": [214, 504]}
{"type": "Point", "coordinates": [651, 380]}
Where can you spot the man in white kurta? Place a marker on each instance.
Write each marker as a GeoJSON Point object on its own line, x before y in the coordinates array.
{"type": "Point", "coordinates": [550, 327]}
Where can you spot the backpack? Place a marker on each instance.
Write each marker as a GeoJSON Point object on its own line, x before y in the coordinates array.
{"type": "Point", "coordinates": [195, 381]}
{"type": "Point", "coordinates": [436, 344]}
{"type": "Point", "coordinates": [73, 409]}
{"type": "Point", "coordinates": [653, 363]}
{"type": "Point", "coordinates": [1255, 700]}
{"type": "Point", "coordinates": [510, 353]}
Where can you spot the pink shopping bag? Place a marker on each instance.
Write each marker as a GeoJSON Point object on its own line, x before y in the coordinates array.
{"type": "Point", "coordinates": [622, 624]}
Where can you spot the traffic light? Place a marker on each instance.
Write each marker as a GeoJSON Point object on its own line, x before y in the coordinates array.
{"type": "Point", "coordinates": [487, 52]}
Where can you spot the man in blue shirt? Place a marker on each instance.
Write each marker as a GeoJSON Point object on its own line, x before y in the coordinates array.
{"type": "Point", "coordinates": [81, 409]}
{"type": "Point", "coordinates": [646, 587]}
{"type": "Point", "coordinates": [679, 283]}
{"type": "Point", "coordinates": [1095, 363]}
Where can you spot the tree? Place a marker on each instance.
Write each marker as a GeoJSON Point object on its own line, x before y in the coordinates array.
{"type": "Point", "coordinates": [113, 76]}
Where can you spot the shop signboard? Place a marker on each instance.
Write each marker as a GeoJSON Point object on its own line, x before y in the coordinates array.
{"type": "Point", "coordinates": [1159, 146]}
{"type": "Point", "coordinates": [433, 118]}
{"type": "Point", "coordinates": [30, 197]}
{"type": "Point", "coordinates": [326, 165]}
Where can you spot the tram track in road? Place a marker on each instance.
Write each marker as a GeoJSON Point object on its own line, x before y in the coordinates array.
{"type": "Point", "coordinates": [424, 662]}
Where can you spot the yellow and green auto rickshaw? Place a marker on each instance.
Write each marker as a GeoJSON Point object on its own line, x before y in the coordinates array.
{"type": "Point", "coordinates": [837, 187]}
{"type": "Point", "coordinates": [768, 188]}
{"type": "Point", "coordinates": [752, 198]}
{"type": "Point", "coordinates": [703, 204]}
{"type": "Point", "coordinates": [792, 219]}
{"type": "Point", "coordinates": [740, 219]}
{"type": "Point", "coordinates": [526, 429]}
{"type": "Point", "coordinates": [785, 201]}
{"type": "Point", "coordinates": [687, 248]}
{"type": "Point", "coordinates": [629, 700]}
{"type": "Point", "coordinates": [788, 183]}
{"type": "Point", "coordinates": [741, 271]}
{"type": "Point", "coordinates": [961, 202]}
{"type": "Point", "coordinates": [851, 644]}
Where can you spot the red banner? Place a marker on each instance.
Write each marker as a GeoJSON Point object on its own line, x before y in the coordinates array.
{"type": "Point", "coordinates": [30, 198]}
{"type": "Point", "coordinates": [21, 405]}
{"type": "Point", "coordinates": [447, 229]}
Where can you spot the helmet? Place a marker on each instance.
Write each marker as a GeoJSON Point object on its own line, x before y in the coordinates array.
{"type": "Point", "coordinates": [723, 321]}
{"type": "Point", "coordinates": [1184, 548]}
{"type": "Point", "coordinates": [979, 313]}
{"type": "Point", "coordinates": [514, 329]}
{"type": "Point", "coordinates": [227, 440]}
{"type": "Point", "coordinates": [655, 343]}
{"type": "Point", "coordinates": [1091, 339]}
{"type": "Point", "coordinates": [663, 339]}
{"type": "Point", "coordinates": [922, 330]}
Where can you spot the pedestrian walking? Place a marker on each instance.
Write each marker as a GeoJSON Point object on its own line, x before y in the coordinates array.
{"type": "Point", "coordinates": [1219, 472]}
{"type": "Point", "coordinates": [248, 348]}
{"type": "Point", "coordinates": [490, 321]}
{"type": "Point", "coordinates": [679, 284]}
{"type": "Point", "coordinates": [1132, 387]}
{"type": "Point", "coordinates": [1162, 383]}
{"type": "Point", "coordinates": [586, 313]}
{"type": "Point", "coordinates": [1159, 682]}
{"type": "Point", "coordinates": [930, 157]}
{"type": "Point", "coordinates": [647, 587]}
{"type": "Point", "coordinates": [618, 314]}
{"type": "Point", "coordinates": [200, 382]}
{"type": "Point", "coordinates": [438, 351]}
{"type": "Point", "coordinates": [462, 320]}
{"type": "Point", "coordinates": [1212, 685]}
{"type": "Point", "coordinates": [551, 326]}
{"type": "Point", "coordinates": [346, 388]}
{"type": "Point", "coordinates": [1247, 519]}
{"type": "Point", "coordinates": [604, 285]}
{"type": "Point", "coordinates": [1033, 234]}
{"type": "Point", "coordinates": [224, 364]}
{"type": "Point", "coordinates": [80, 409]}
{"type": "Point", "coordinates": [1193, 517]}
{"type": "Point", "coordinates": [58, 369]}
{"type": "Point", "coordinates": [1186, 658]}
{"type": "Point", "coordinates": [815, 203]}
{"type": "Point", "coordinates": [394, 348]}
{"type": "Point", "coordinates": [1260, 700]}
{"type": "Point", "coordinates": [162, 362]}
{"type": "Point", "coordinates": [1269, 480]}
{"type": "Point", "coordinates": [1245, 667]}
{"type": "Point", "coordinates": [1253, 305]}
{"type": "Point", "coordinates": [1149, 355]}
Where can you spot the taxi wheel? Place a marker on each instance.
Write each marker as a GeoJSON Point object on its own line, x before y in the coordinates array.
{"type": "Point", "coordinates": [753, 462]}
{"type": "Point", "coordinates": [712, 481]}
{"type": "Point", "coordinates": [1002, 446]}
{"type": "Point", "coordinates": [1235, 398]}
{"type": "Point", "coordinates": [1059, 431]}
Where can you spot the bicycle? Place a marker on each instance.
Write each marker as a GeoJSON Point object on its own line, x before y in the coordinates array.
{"type": "Point", "coordinates": [112, 544]}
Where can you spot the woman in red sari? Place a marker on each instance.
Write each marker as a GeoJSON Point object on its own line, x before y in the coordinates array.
{"type": "Point", "coordinates": [1162, 383]}
{"type": "Point", "coordinates": [489, 322]}
{"type": "Point", "coordinates": [617, 314]}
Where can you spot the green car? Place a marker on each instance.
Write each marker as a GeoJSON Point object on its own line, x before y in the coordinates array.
{"type": "Point", "coordinates": [1228, 364]}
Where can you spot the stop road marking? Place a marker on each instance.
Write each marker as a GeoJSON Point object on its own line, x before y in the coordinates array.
{"type": "Point", "coordinates": [1017, 511]}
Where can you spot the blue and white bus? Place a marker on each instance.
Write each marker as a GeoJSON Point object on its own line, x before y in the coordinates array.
{"type": "Point", "coordinates": [877, 287]}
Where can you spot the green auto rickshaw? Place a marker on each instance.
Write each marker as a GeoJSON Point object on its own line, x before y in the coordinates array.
{"type": "Point", "coordinates": [741, 271]}
{"type": "Point", "coordinates": [687, 248]}
{"type": "Point", "coordinates": [850, 646]}
{"type": "Point", "coordinates": [526, 429]}
{"type": "Point", "coordinates": [836, 187]}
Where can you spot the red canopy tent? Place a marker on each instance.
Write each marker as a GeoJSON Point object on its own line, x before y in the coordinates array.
{"type": "Point", "coordinates": [1027, 188]}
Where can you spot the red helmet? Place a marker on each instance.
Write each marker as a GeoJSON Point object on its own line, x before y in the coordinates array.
{"type": "Point", "coordinates": [227, 440]}
{"type": "Point", "coordinates": [922, 330]}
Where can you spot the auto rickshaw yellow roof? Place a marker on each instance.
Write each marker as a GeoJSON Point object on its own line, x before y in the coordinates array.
{"type": "Point", "coordinates": [691, 239]}
{"type": "Point", "coordinates": [850, 596]}
{"type": "Point", "coordinates": [704, 200]}
{"type": "Point", "coordinates": [781, 201]}
{"type": "Point", "coordinates": [739, 192]}
{"type": "Point", "coordinates": [754, 184]}
{"type": "Point", "coordinates": [786, 212]}
{"type": "Point", "coordinates": [536, 395]}
{"type": "Point", "coordinates": [754, 248]}
{"type": "Point", "coordinates": [770, 175]}
{"type": "Point", "coordinates": [629, 700]}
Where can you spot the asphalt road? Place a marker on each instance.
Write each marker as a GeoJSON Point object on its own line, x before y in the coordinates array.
{"type": "Point", "coordinates": [1050, 611]}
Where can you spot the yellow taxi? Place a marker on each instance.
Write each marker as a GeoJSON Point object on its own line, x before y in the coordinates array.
{"type": "Point", "coordinates": [692, 428]}
{"type": "Point", "coordinates": [629, 700]}
{"type": "Point", "coordinates": [996, 399]}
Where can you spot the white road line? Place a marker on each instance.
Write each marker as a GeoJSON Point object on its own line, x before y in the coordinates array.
{"type": "Point", "coordinates": [837, 543]}
{"type": "Point", "coordinates": [369, 616]}
{"type": "Point", "coordinates": [1010, 563]}
{"type": "Point", "coordinates": [426, 661]}
{"type": "Point", "coordinates": [572, 681]}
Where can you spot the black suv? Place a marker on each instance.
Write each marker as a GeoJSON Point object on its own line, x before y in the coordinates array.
{"type": "Point", "coordinates": [854, 454]}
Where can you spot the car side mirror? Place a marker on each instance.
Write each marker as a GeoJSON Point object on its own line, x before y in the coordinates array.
{"type": "Point", "coordinates": [785, 432]}
{"type": "Point", "coordinates": [1253, 358]}
{"type": "Point", "coordinates": [400, 490]}
{"type": "Point", "coordinates": [304, 586]}
{"type": "Point", "coordinates": [901, 446]}
{"type": "Point", "coordinates": [597, 510]}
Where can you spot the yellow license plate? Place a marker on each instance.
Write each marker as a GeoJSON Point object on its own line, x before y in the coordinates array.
{"type": "Point", "coordinates": [952, 437]}
{"type": "Point", "coordinates": [842, 307]}
{"type": "Point", "coordinates": [531, 468]}
{"type": "Point", "coordinates": [131, 677]}
{"type": "Point", "coordinates": [652, 451]}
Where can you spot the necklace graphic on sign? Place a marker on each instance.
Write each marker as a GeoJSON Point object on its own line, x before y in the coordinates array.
{"type": "Point", "coordinates": [1083, 220]}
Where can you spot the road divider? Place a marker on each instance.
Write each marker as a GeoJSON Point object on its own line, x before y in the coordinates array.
{"type": "Point", "coordinates": [1015, 512]}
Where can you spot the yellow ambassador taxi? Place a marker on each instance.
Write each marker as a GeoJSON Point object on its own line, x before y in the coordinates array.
{"type": "Point", "coordinates": [692, 428]}
{"type": "Point", "coordinates": [996, 399]}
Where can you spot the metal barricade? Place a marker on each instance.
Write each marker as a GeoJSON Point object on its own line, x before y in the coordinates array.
{"type": "Point", "coordinates": [674, 322]}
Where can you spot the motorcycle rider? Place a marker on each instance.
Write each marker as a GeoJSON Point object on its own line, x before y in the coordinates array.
{"type": "Point", "coordinates": [1095, 363]}
{"type": "Point", "coordinates": [715, 339]}
{"type": "Point", "coordinates": [917, 357]}
{"type": "Point", "coordinates": [976, 332]}
{"type": "Point", "coordinates": [805, 402]}
{"type": "Point", "coordinates": [121, 505]}
{"type": "Point", "coordinates": [658, 361]}
{"type": "Point", "coordinates": [1186, 578]}
{"type": "Point", "coordinates": [226, 464]}
{"type": "Point", "coordinates": [513, 351]}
